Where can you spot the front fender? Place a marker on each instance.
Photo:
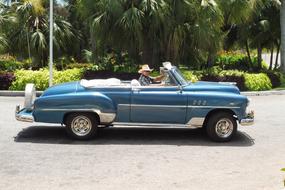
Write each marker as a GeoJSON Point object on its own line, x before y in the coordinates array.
{"type": "Point", "coordinates": [200, 104]}
{"type": "Point", "coordinates": [52, 109]}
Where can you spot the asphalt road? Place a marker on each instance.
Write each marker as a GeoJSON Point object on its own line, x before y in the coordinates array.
{"type": "Point", "coordinates": [40, 156]}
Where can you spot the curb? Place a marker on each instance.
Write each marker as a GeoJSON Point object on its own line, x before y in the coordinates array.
{"type": "Point", "coordinates": [264, 93]}
{"type": "Point", "coordinates": [16, 93]}
{"type": "Point", "coordinates": [251, 93]}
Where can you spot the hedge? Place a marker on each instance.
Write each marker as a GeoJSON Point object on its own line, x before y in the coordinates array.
{"type": "Point", "coordinates": [257, 82]}
{"type": "Point", "coordinates": [40, 78]}
{"type": "Point", "coordinates": [6, 80]}
{"type": "Point", "coordinates": [245, 81]}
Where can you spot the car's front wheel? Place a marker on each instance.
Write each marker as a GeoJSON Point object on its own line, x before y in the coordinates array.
{"type": "Point", "coordinates": [221, 127]}
{"type": "Point", "coordinates": [81, 126]}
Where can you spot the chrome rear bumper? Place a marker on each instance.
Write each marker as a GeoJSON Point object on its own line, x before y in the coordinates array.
{"type": "Point", "coordinates": [248, 120]}
{"type": "Point", "coordinates": [23, 115]}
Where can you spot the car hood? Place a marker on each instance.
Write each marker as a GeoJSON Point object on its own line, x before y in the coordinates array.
{"type": "Point", "coordinates": [212, 86]}
{"type": "Point", "coordinates": [64, 88]}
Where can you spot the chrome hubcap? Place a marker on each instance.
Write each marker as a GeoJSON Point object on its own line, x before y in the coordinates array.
{"type": "Point", "coordinates": [224, 128]}
{"type": "Point", "coordinates": [81, 125]}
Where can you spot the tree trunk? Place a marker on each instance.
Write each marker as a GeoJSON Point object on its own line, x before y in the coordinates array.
{"type": "Point", "coordinates": [147, 54]}
{"type": "Point", "coordinates": [94, 49]}
{"type": "Point", "coordinates": [277, 55]}
{"type": "Point", "coordinates": [210, 60]}
{"type": "Point", "coordinates": [248, 54]}
{"type": "Point", "coordinates": [259, 58]}
{"type": "Point", "coordinates": [282, 25]}
{"type": "Point", "coordinates": [271, 57]}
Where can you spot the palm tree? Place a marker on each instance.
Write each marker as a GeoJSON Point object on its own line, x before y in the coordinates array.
{"type": "Point", "coordinates": [6, 18]}
{"type": "Point", "coordinates": [30, 33]}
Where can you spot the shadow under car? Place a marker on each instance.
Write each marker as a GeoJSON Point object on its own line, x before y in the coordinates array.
{"type": "Point", "coordinates": [135, 136]}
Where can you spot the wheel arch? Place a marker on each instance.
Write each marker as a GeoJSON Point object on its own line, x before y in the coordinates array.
{"type": "Point", "coordinates": [218, 110]}
{"type": "Point", "coordinates": [72, 112]}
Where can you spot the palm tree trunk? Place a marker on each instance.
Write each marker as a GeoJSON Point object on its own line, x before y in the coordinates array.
{"type": "Point", "coordinates": [210, 60]}
{"type": "Point", "coordinates": [248, 54]}
{"type": "Point", "coordinates": [277, 55]}
{"type": "Point", "coordinates": [282, 24]}
{"type": "Point", "coordinates": [259, 59]}
{"type": "Point", "coordinates": [147, 54]}
{"type": "Point", "coordinates": [271, 57]}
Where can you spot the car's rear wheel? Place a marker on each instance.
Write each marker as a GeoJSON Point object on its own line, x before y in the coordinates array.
{"type": "Point", "coordinates": [81, 126]}
{"type": "Point", "coordinates": [221, 127]}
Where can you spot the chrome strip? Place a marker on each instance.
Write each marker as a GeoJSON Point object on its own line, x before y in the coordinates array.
{"type": "Point", "coordinates": [196, 121]}
{"type": "Point", "coordinates": [226, 107]}
{"type": "Point", "coordinates": [178, 106]}
{"type": "Point", "coordinates": [105, 118]}
{"type": "Point", "coordinates": [144, 105]}
{"type": "Point", "coordinates": [158, 125]}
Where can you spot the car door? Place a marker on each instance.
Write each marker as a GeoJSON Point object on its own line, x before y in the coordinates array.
{"type": "Point", "coordinates": [158, 104]}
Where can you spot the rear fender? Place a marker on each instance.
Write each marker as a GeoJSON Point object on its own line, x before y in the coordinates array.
{"type": "Point", "coordinates": [52, 109]}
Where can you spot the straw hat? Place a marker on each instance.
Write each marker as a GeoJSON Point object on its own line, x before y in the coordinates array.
{"type": "Point", "coordinates": [145, 68]}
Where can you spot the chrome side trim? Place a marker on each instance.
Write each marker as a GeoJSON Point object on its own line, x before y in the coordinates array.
{"type": "Point", "coordinates": [157, 125]}
{"type": "Point", "coordinates": [144, 105]}
{"type": "Point", "coordinates": [224, 107]}
{"type": "Point", "coordinates": [179, 106]}
{"type": "Point", "coordinates": [105, 118]}
{"type": "Point", "coordinates": [196, 121]}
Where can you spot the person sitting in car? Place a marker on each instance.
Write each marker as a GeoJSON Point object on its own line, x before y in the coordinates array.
{"type": "Point", "coordinates": [145, 78]}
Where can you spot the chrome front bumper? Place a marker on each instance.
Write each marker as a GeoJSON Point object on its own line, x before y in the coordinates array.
{"type": "Point", "coordinates": [23, 115]}
{"type": "Point", "coordinates": [248, 120]}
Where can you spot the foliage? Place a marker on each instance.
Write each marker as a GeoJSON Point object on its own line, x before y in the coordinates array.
{"type": "Point", "coordinates": [28, 34]}
{"type": "Point", "coordinates": [9, 63]}
{"type": "Point", "coordinates": [257, 82]}
{"type": "Point", "coordinates": [275, 77]}
{"type": "Point", "coordinates": [225, 76]}
{"type": "Point", "coordinates": [40, 78]}
{"type": "Point", "coordinates": [190, 76]}
{"type": "Point", "coordinates": [6, 80]}
{"type": "Point", "coordinates": [239, 61]}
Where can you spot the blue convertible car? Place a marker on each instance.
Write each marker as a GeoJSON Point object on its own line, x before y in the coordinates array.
{"type": "Point", "coordinates": [85, 105]}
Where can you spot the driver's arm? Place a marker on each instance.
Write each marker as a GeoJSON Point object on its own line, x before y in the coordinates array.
{"type": "Point", "coordinates": [158, 78]}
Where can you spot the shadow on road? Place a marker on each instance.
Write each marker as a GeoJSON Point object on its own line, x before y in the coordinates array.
{"type": "Point", "coordinates": [135, 136]}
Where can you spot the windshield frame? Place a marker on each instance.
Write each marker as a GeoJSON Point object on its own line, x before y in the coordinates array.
{"type": "Point", "coordinates": [176, 73]}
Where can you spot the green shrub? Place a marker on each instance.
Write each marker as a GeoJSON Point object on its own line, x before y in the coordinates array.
{"type": "Point", "coordinates": [275, 77]}
{"type": "Point", "coordinates": [190, 76]}
{"type": "Point", "coordinates": [231, 73]}
{"type": "Point", "coordinates": [80, 66]}
{"type": "Point", "coordinates": [40, 78]}
{"type": "Point", "coordinates": [9, 63]}
{"type": "Point", "coordinates": [237, 61]}
{"type": "Point", "coordinates": [257, 82]}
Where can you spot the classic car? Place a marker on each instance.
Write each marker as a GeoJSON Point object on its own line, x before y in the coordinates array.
{"type": "Point", "coordinates": [85, 105]}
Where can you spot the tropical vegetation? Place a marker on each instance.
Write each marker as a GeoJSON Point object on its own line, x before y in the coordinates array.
{"type": "Point", "coordinates": [120, 35]}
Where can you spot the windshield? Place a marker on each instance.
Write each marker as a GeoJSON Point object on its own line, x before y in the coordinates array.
{"type": "Point", "coordinates": [179, 77]}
